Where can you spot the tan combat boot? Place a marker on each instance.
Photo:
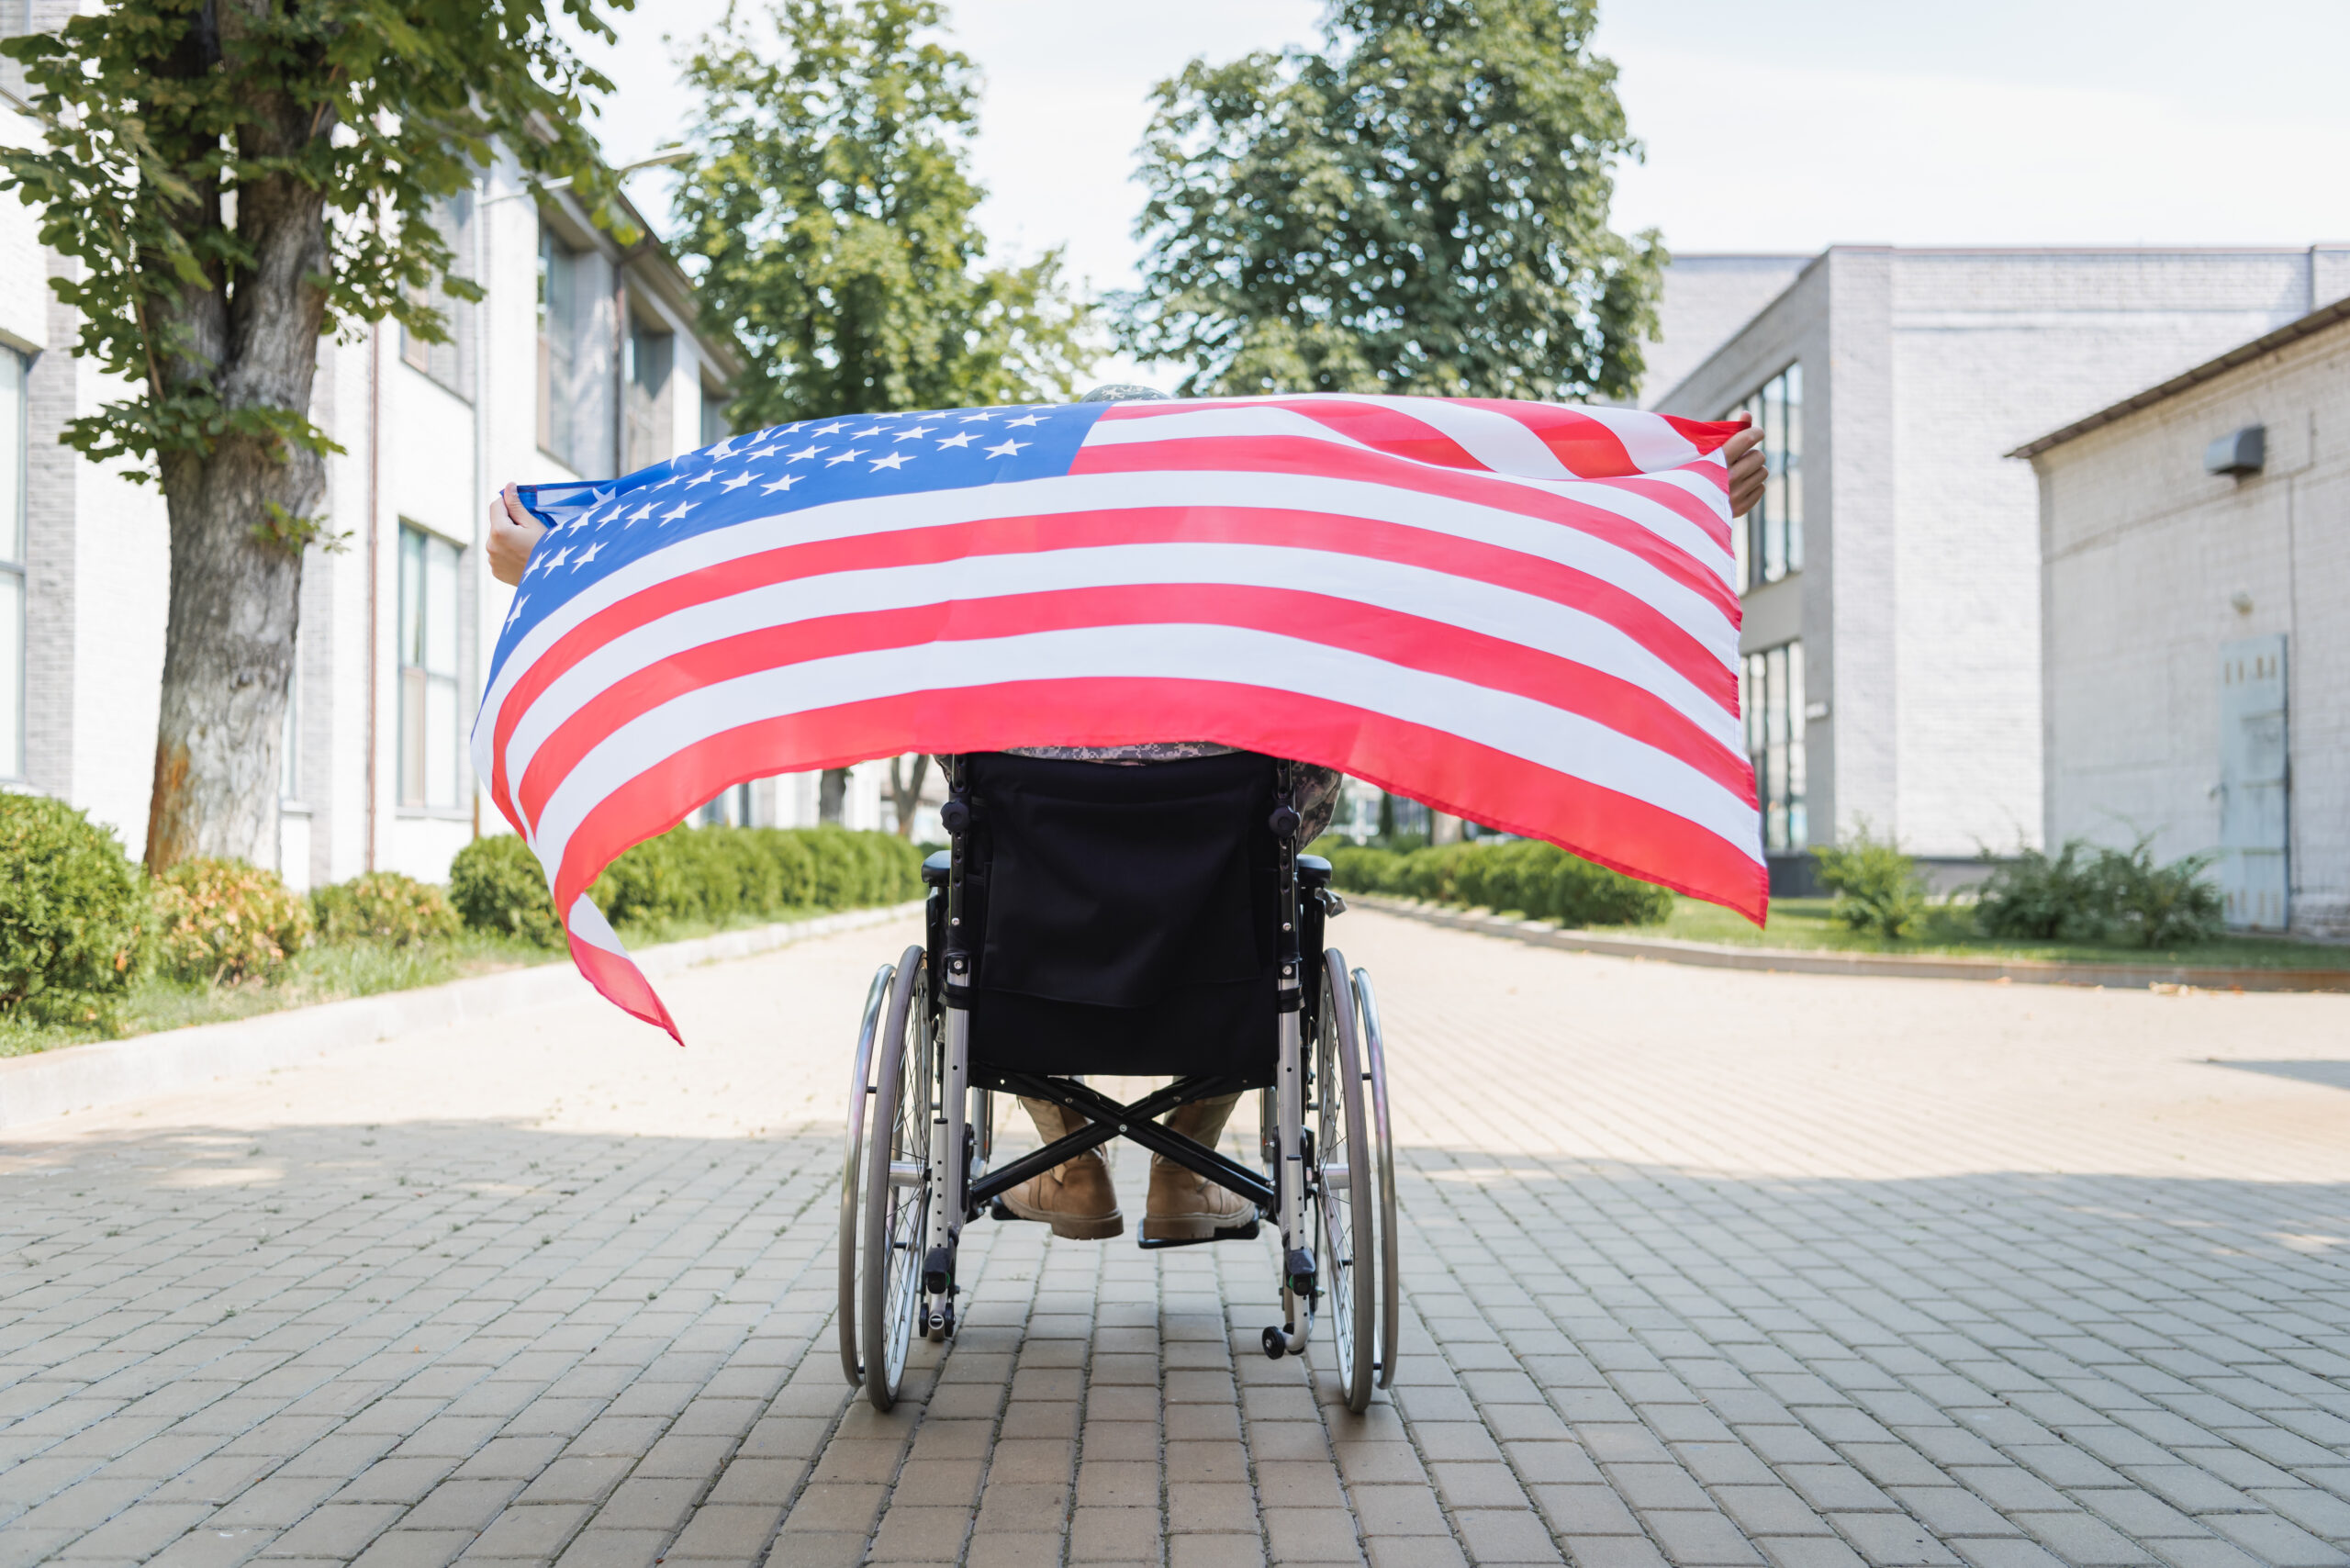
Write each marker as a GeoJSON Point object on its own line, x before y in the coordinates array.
{"type": "Point", "coordinates": [1185, 1206]}
{"type": "Point", "coordinates": [1075, 1197]}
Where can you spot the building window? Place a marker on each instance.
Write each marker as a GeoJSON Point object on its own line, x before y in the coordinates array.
{"type": "Point", "coordinates": [12, 564]}
{"type": "Point", "coordinates": [562, 319]}
{"type": "Point", "coordinates": [450, 363]}
{"type": "Point", "coordinates": [1770, 696]}
{"type": "Point", "coordinates": [1769, 542]}
{"type": "Point", "coordinates": [731, 808]}
{"type": "Point", "coordinates": [428, 632]}
{"type": "Point", "coordinates": [651, 355]}
{"type": "Point", "coordinates": [714, 428]}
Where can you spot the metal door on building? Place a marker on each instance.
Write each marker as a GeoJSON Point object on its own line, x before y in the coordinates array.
{"type": "Point", "coordinates": [2252, 768]}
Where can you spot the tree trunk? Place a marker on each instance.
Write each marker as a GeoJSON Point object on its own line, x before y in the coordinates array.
{"type": "Point", "coordinates": [1443, 828]}
{"type": "Point", "coordinates": [907, 797]}
{"type": "Point", "coordinates": [228, 654]}
{"type": "Point", "coordinates": [242, 509]}
{"type": "Point", "coordinates": [831, 791]}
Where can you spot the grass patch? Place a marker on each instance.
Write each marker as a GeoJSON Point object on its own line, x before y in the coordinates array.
{"type": "Point", "coordinates": [332, 971]}
{"type": "Point", "coordinates": [1949, 929]}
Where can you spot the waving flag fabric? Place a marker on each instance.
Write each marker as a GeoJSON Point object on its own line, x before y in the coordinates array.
{"type": "Point", "coordinates": [1518, 613]}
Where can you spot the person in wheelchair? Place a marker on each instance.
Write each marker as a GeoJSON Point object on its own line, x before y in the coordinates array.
{"type": "Point", "coordinates": [1077, 1199]}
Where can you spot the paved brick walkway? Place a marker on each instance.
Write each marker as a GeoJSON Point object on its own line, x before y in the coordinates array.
{"type": "Point", "coordinates": [1703, 1268]}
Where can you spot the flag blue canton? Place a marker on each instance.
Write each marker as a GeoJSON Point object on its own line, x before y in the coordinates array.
{"type": "Point", "coordinates": [596, 527]}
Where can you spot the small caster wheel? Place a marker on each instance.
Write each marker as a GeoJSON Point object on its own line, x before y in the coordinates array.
{"type": "Point", "coordinates": [1276, 1347]}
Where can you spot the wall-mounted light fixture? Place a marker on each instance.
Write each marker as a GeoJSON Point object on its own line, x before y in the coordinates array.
{"type": "Point", "coordinates": [2241, 453]}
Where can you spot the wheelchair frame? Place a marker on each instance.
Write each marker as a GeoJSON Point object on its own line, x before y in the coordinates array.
{"type": "Point", "coordinates": [906, 1194]}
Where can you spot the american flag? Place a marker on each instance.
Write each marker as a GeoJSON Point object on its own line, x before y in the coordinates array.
{"type": "Point", "coordinates": [1521, 613]}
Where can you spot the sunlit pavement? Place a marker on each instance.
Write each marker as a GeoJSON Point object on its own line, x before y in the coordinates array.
{"type": "Point", "coordinates": [1702, 1268]}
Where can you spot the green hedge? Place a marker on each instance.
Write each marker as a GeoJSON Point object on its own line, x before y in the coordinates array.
{"type": "Point", "coordinates": [717, 874]}
{"type": "Point", "coordinates": [1538, 879]}
{"type": "Point", "coordinates": [74, 916]}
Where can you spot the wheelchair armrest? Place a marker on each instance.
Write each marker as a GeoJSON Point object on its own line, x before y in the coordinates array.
{"type": "Point", "coordinates": [1313, 871]}
{"type": "Point", "coordinates": [937, 868]}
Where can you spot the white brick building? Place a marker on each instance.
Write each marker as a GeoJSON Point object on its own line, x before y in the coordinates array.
{"type": "Point", "coordinates": [1893, 602]}
{"type": "Point", "coordinates": [2197, 683]}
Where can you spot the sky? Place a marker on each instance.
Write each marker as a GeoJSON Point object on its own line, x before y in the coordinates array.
{"type": "Point", "coordinates": [1769, 125]}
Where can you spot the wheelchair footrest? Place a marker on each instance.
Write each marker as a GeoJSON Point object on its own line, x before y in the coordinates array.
{"type": "Point", "coordinates": [1228, 1233]}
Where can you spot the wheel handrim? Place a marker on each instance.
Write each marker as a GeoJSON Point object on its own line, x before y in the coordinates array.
{"type": "Point", "coordinates": [1343, 1201]}
{"type": "Point", "coordinates": [897, 1215]}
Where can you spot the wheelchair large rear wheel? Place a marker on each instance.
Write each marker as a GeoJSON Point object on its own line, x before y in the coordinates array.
{"type": "Point", "coordinates": [1382, 1133]}
{"type": "Point", "coordinates": [896, 1184]}
{"type": "Point", "coordinates": [860, 1098]}
{"type": "Point", "coordinates": [1341, 1188]}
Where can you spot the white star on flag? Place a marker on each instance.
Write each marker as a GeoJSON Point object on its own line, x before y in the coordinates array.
{"type": "Point", "coordinates": [559, 557]}
{"type": "Point", "coordinates": [833, 429]}
{"type": "Point", "coordinates": [911, 433]}
{"type": "Point", "coordinates": [960, 438]}
{"type": "Point", "coordinates": [769, 450]}
{"type": "Point", "coordinates": [587, 555]}
{"type": "Point", "coordinates": [1008, 448]}
{"type": "Point", "coordinates": [803, 453]}
{"type": "Point", "coordinates": [783, 484]}
{"type": "Point", "coordinates": [682, 508]}
{"type": "Point", "coordinates": [737, 482]}
{"type": "Point", "coordinates": [849, 457]}
{"type": "Point", "coordinates": [982, 414]}
{"type": "Point", "coordinates": [704, 477]}
{"type": "Point", "coordinates": [895, 460]}
{"type": "Point", "coordinates": [641, 514]}
{"type": "Point", "coordinates": [1031, 420]}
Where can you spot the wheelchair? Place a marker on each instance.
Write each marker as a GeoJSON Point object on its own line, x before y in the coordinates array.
{"type": "Point", "coordinates": [1152, 920]}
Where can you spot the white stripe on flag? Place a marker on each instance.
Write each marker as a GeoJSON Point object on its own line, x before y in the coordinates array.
{"type": "Point", "coordinates": [1543, 735]}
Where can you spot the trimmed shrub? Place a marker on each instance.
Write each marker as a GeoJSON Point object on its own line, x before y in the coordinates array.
{"type": "Point", "coordinates": [382, 906]}
{"type": "Point", "coordinates": [2040, 897]}
{"type": "Point", "coordinates": [2087, 893]}
{"type": "Point", "coordinates": [74, 916]}
{"type": "Point", "coordinates": [1535, 879]}
{"type": "Point", "coordinates": [495, 885]}
{"type": "Point", "coordinates": [225, 921]}
{"type": "Point", "coordinates": [2162, 906]}
{"type": "Point", "coordinates": [1877, 886]}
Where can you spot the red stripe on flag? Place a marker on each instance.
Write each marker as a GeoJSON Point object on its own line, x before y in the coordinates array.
{"type": "Point", "coordinates": [1383, 426]}
{"type": "Point", "coordinates": [1392, 636]}
{"type": "Point", "coordinates": [1442, 770]}
{"type": "Point", "coordinates": [1304, 455]}
{"type": "Point", "coordinates": [620, 982]}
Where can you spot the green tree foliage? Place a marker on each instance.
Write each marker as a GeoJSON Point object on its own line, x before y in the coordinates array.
{"type": "Point", "coordinates": [1420, 207]}
{"type": "Point", "coordinates": [832, 207]}
{"type": "Point", "coordinates": [232, 179]}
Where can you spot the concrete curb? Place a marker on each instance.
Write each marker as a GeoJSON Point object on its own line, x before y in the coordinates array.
{"type": "Point", "coordinates": [80, 1078]}
{"type": "Point", "coordinates": [1787, 960]}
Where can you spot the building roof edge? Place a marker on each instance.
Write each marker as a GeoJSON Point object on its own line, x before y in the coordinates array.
{"type": "Point", "coordinates": [2292, 331]}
